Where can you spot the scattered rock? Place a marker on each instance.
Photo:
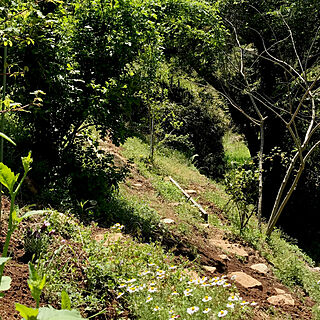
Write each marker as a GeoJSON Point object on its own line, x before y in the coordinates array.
{"type": "Point", "coordinates": [279, 291]}
{"type": "Point", "coordinates": [281, 299]}
{"type": "Point", "coordinates": [168, 221]}
{"type": "Point", "coordinates": [98, 237]}
{"type": "Point", "coordinates": [232, 248]}
{"type": "Point", "coordinates": [210, 269]}
{"type": "Point", "coordinates": [137, 185]}
{"type": "Point", "coordinates": [175, 204]}
{"type": "Point", "coordinates": [224, 257]}
{"type": "Point", "coordinates": [245, 280]}
{"type": "Point", "coordinates": [113, 237]}
{"type": "Point", "coordinates": [191, 191]}
{"type": "Point", "coordinates": [260, 267]}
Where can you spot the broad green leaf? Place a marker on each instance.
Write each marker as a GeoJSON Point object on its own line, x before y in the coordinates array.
{"type": "Point", "coordinates": [7, 138]}
{"type": "Point", "coordinates": [7, 177]}
{"type": "Point", "coordinates": [27, 313]}
{"type": "Point", "coordinates": [5, 283]}
{"type": "Point", "coordinates": [32, 213]}
{"type": "Point", "coordinates": [52, 314]}
{"type": "Point", "coordinates": [65, 301]}
{"type": "Point", "coordinates": [4, 260]}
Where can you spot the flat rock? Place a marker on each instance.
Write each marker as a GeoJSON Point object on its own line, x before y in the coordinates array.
{"type": "Point", "coordinates": [230, 247]}
{"type": "Point", "coordinates": [316, 269]}
{"type": "Point", "coordinates": [281, 299]}
{"type": "Point", "coordinates": [224, 257]}
{"type": "Point", "coordinates": [168, 221]}
{"type": "Point", "coordinates": [260, 267]}
{"type": "Point", "coordinates": [190, 191]}
{"type": "Point", "coordinates": [137, 185]}
{"type": "Point", "coordinates": [245, 280]}
{"type": "Point", "coordinates": [175, 204]}
{"type": "Point", "coordinates": [279, 291]}
{"type": "Point", "coordinates": [210, 269]}
{"type": "Point", "coordinates": [98, 237]}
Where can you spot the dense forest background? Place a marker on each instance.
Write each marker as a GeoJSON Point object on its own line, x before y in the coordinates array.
{"type": "Point", "coordinates": [179, 73]}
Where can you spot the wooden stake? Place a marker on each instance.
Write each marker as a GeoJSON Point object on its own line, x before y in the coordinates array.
{"type": "Point", "coordinates": [204, 213]}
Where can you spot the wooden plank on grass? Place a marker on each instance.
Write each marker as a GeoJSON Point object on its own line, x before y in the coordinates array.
{"type": "Point", "coordinates": [203, 212]}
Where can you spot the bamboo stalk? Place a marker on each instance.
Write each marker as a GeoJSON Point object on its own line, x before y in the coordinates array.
{"type": "Point", "coordinates": [204, 213]}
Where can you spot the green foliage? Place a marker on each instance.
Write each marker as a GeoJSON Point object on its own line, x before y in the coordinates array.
{"type": "Point", "coordinates": [26, 312]}
{"type": "Point", "coordinates": [242, 185]}
{"type": "Point", "coordinates": [46, 313]}
{"type": "Point", "coordinates": [36, 283]}
{"type": "Point", "coordinates": [8, 178]}
{"type": "Point", "coordinates": [65, 301]}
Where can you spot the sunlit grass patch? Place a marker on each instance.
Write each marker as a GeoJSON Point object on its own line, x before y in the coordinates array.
{"type": "Point", "coordinates": [235, 149]}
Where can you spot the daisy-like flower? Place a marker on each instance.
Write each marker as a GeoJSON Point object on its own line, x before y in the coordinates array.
{"type": "Point", "coordinates": [244, 303]}
{"type": "Point", "coordinates": [156, 308]}
{"type": "Point", "coordinates": [152, 289]}
{"type": "Point", "coordinates": [233, 298]}
{"type": "Point", "coordinates": [132, 289]}
{"type": "Point", "coordinates": [122, 285]}
{"type": "Point", "coordinates": [160, 272]}
{"type": "Point", "coordinates": [318, 282]}
{"type": "Point", "coordinates": [151, 264]}
{"type": "Point", "coordinates": [206, 310]}
{"type": "Point", "coordinates": [141, 287]}
{"type": "Point", "coordinates": [222, 313]}
{"type": "Point", "coordinates": [144, 273]}
{"type": "Point", "coordinates": [233, 277]}
{"type": "Point", "coordinates": [161, 276]}
{"type": "Point", "coordinates": [214, 279]}
{"type": "Point", "coordinates": [206, 299]}
{"type": "Point", "coordinates": [206, 285]}
{"type": "Point", "coordinates": [253, 303]}
{"type": "Point", "coordinates": [192, 310]}
{"type": "Point", "coordinates": [171, 312]}
{"type": "Point", "coordinates": [172, 267]}
{"type": "Point", "coordinates": [230, 305]}
{"type": "Point", "coordinates": [174, 293]}
{"type": "Point", "coordinates": [226, 285]}
{"type": "Point", "coordinates": [203, 280]}
{"type": "Point", "coordinates": [149, 299]}
{"type": "Point", "coordinates": [192, 281]}
{"type": "Point", "coordinates": [187, 292]}
{"type": "Point", "coordinates": [120, 295]}
{"type": "Point", "coordinates": [131, 280]}
{"type": "Point", "coordinates": [221, 282]}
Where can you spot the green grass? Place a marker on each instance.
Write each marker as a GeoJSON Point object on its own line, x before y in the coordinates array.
{"type": "Point", "coordinates": [236, 151]}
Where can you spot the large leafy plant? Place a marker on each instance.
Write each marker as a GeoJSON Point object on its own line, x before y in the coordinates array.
{"type": "Point", "coordinates": [11, 181]}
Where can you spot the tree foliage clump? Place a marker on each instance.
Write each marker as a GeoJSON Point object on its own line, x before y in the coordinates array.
{"type": "Point", "coordinates": [98, 64]}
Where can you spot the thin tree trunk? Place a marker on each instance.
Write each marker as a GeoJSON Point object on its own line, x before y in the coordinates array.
{"type": "Point", "coordinates": [261, 173]}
